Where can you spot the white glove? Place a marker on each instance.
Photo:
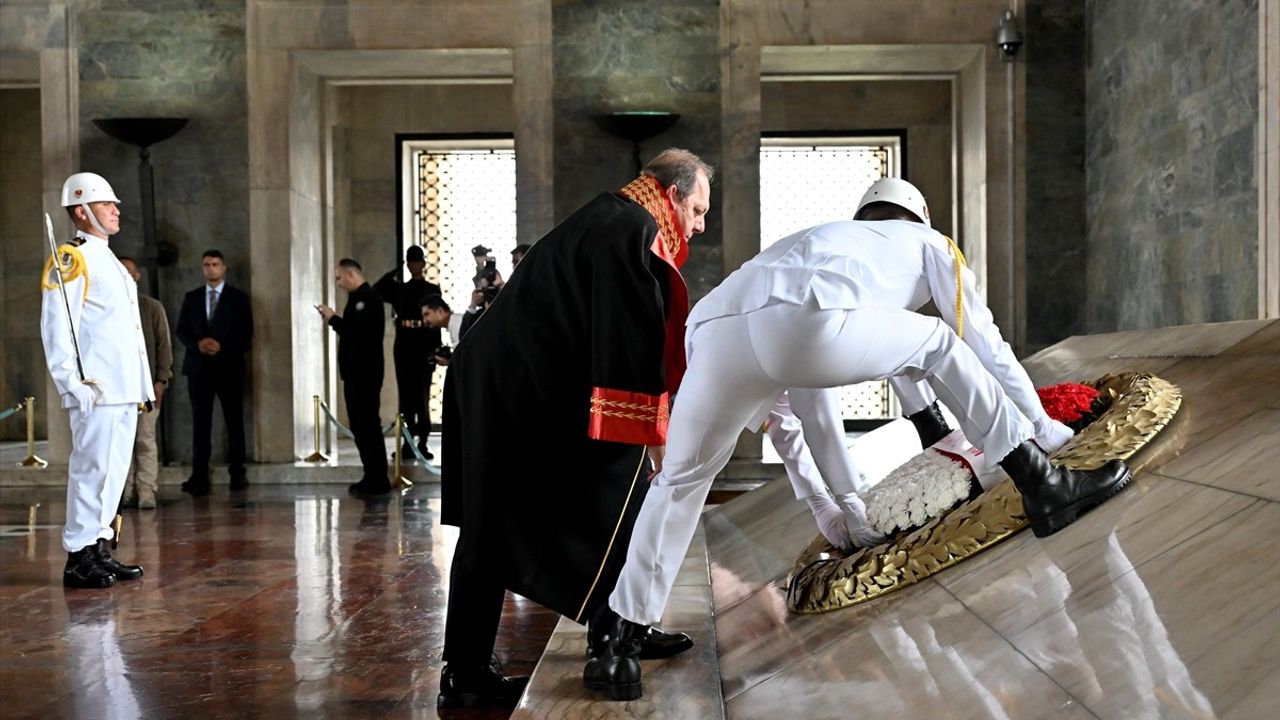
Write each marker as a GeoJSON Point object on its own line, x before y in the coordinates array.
{"type": "Point", "coordinates": [1051, 434]}
{"type": "Point", "coordinates": [85, 396]}
{"type": "Point", "coordinates": [830, 519]}
{"type": "Point", "coordinates": [855, 519]}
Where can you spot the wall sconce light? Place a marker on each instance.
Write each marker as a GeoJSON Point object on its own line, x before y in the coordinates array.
{"type": "Point", "coordinates": [636, 126]}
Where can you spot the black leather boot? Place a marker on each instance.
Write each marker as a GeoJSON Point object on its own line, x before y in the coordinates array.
{"type": "Point", "coordinates": [930, 424]}
{"type": "Point", "coordinates": [121, 572]}
{"type": "Point", "coordinates": [1053, 497]}
{"type": "Point", "coordinates": [83, 571]}
{"type": "Point", "coordinates": [479, 687]}
{"type": "Point", "coordinates": [615, 669]}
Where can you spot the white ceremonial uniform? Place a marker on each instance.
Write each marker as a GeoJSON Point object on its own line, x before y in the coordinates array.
{"type": "Point", "coordinates": [828, 306]}
{"type": "Point", "coordinates": [814, 454]}
{"type": "Point", "coordinates": [103, 300]}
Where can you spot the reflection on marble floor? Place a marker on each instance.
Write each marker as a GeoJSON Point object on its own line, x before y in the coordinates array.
{"type": "Point", "coordinates": [292, 602]}
{"type": "Point", "coordinates": [1164, 602]}
{"type": "Point", "coordinates": [298, 602]}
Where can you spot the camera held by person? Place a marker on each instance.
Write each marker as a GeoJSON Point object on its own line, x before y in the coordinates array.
{"type": "Point", "coordinates": [442, 354]}
{"type": "Point", "coordinates": [487, 275]}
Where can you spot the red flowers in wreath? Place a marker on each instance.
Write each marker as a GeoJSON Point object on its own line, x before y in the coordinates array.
{"type": "Point", "coordinates": [1073, 404]}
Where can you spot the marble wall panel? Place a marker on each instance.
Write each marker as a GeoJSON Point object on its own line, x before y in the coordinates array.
{"type": "Point", "coordinates": [1170, 148]}
{"type": "Point", "coordinates": [22, 252]}
{"type": "Point", "coordinates": [617, 55]}
{"type": "Point", "coordinates": [1055, 171]}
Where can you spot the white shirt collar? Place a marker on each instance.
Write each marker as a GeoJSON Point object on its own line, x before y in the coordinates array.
{"type": "Point", "coordinates": [216, 288]}
{"type": "Point", "coordinates": [91, 238]}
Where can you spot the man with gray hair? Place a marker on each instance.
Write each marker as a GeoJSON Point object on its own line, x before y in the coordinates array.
{"type": "Point", "coordinates": [552, 403]}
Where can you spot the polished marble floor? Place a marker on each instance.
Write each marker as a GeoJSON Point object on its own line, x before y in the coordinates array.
{"type": "Point", "coordinates": [284, 602]}
{"type": "Point", "coordinates": [297, 602]}
{"type": "Point", "coordinates": [1162, 603]}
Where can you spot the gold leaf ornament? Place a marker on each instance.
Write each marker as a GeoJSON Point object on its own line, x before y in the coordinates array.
{"type": "Point", "coordinates": [824, 579]}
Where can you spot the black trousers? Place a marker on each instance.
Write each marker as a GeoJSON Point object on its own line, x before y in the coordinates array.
{"type": "Point", "coordinates": [475, 610]}
{"type": "Point", "coordinates": [228, 388]}
{"type": "Point", "coordinates": [366, 424]}
{"type": "Point", "coordinates": [414, 368]}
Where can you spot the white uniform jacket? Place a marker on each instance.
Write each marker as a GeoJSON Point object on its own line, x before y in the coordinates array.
{"type": "Point", "coordinates": [870, 264]}
{"type": "Point", "coordinates": [104, 311]}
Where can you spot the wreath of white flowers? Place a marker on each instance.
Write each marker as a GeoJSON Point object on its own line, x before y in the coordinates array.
{"type": "Point", "coordinates": [919, 490]}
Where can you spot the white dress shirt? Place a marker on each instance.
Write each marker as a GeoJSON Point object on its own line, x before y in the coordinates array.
{"type": "Point", "coordinates": [208, 296]}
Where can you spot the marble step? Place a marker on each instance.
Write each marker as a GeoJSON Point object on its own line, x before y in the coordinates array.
{"type": "Point", "coordinates": [686, 686]}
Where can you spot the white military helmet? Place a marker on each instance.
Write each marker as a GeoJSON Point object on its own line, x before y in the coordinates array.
{"type": "Point", "coordinates": [86, 187]}
{"type": "Point", "coordinates": [898, 192]}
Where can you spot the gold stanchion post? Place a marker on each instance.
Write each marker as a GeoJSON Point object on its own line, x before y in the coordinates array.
{"type": "Point", "coordinates": [31, 460]}
{"type": "Point", "coordinates": [31, 530]}
{"type": "Point", "coordinates": [117, 525]}
{"type": "Point", "coordinates": [317, 456]}
{"type": "Point", "coordinates": [399, 481]}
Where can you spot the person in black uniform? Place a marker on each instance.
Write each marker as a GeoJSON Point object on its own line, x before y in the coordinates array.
{"type": "Point", "coordinates": [415, 342]}
{"type": "Point", "coordinates": [360, 361]}
{"type": "Point", "coordinates": [553, 402]}
{"type": "Point", "coordinates": [215, 326]}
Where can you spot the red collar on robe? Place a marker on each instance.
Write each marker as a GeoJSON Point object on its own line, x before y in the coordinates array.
{"type": "Point", "coordinates": [670, 246]}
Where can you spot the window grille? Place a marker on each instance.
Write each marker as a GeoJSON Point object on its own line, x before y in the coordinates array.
{"type": "Point", "coordinates": [806, 181]}
{"type": "Point", "coordinates": [463, 195]}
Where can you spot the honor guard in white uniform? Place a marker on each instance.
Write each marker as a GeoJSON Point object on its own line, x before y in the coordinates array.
{"type": "Point", "coordinates": [94, 346]}
{"type": "Point", "coordinates": [829, 306]}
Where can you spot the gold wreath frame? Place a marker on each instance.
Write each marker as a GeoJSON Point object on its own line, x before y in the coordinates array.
{"type": "Point", "coordinates": [822, 580]}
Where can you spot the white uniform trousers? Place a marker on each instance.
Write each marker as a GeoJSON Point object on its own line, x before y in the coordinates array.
{"type": "Point", "coordinates": [916, 396]}
{"type": "Point", "coordinates": [740, 364]}
{"type": "Point", "coordinates": [101, 451]}
{"type": "Point", "coordinates": [812, 447]}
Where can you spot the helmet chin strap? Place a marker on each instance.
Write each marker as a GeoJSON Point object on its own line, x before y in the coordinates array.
{"type": "Point", "coordinates": [93, 220]}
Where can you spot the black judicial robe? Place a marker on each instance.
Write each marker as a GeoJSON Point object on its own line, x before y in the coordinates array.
{"type": "Point", "coordinates": [550, 401]}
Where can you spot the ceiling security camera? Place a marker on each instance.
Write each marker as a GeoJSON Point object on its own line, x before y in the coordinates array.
{"type": "Point", "coordinates": [1008, 37]}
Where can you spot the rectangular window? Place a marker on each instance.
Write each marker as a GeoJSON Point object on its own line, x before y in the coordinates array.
{"type": "Point", "coordinates": [458, 193]}
{"type": "Point", "coordinates": [807, 180]}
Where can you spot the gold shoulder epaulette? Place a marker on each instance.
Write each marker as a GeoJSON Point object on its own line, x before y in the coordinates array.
{"type": "Point", "coordinates": [73, 266]}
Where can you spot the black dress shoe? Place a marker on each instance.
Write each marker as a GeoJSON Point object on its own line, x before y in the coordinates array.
{"type": "Point", "coordinates": [657, 645]}
{"type": "Point", "coordinates": [83, 570]}
{"type": "Point", "coordinates": [1053, 497]}
{"type": "Point", "coordinates": [366, 488]}
{"type": "Point", "coordinates": [931, 425]}
{"type": "Point", "coordinates": [111, 565]}
{"type": "Point", "coordinates": [239, 482]}
{"type": "Point", "coordinates": [479, 687]}
{"type": "Point", "coordinates": [654, 643]}
{"type": "Point", "coordinates": [197, 488]}
{"type": "Point", "coordinates": [426, 454]}
{"type": "Point", "coordinates": [615, 670]}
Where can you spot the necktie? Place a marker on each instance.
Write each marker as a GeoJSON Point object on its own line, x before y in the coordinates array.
{"type": "Point", "coordinates": [213, 303]}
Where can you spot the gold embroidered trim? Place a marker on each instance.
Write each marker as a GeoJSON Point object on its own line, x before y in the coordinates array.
{"type": "Point", "coordinates": [647, 192]}
{"type": "Point", "coordinates": [619, 409]}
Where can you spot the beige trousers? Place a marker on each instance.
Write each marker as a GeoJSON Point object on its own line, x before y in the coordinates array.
{"type": "Point", "coordinates": [145, 469]}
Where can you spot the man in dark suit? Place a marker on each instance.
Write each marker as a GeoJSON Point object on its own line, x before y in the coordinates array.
{"type": "Point", "coordinates": [216, 327]}
{"type": "Point", "coordinates": [360, 364]}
